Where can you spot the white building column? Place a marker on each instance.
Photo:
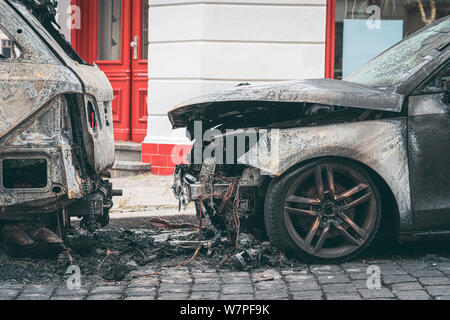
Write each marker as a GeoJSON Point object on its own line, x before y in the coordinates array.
{"type": "Point", "coordinates": [198, 47]}
{"type": "Point", "coordinates": [64, 18]}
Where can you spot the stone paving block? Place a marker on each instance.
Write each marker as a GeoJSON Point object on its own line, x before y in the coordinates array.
{"type": "Point", "coordinates": [38, 289]}
{"type": "Point", "coordinates": [355, 267]}
{"type": "Point", "coordinates": [413, 295]}
{"type": "Point", "coordinates": [444, 267]}
{"type": "Point", "coordinates": [212, 281]}
{"type": "Point", "coordinates": [415, 265]}
{"type": "Point", "coordinates": [177, 280]}
{"type": "Point", "coordinates": [397, 279]}
{"type": "Point", "coordinates": [100, 290]}
{"type": "Point", "coordinates": [328, 279]}
{"type": "Point", "coordinates": [236, 279]}
{"type": "Point", "coordinates": [35, 296]}
{"type": "Point", "coordinates": [205, 274]}
{"type": "Point", "coordinates": [443, 298]}
{"type": "Point", "coordinates": [173, 296]}
{"type": "Point", "coordinates": [206, 287]}
{"type": "Point", "coordinates": [142, 298]}
{"type": "Point", "coordinates": [325, 269]}
{"type": "Point", "coordinates": [68, 298]}
{"type": "Point", "coordinates": [358, 276]}
{"type": "Point", "coordinates": [270, 285]}
{"type": "Point", "coordinates": [307, 295]}
{"type": "Point", "coordinates": [137, 292]}
{"type": "Point", "coordinates": [237, 289]}
{"type": "Point", "coordinates": [304, 271]}
{"type": "Point", "coordinates": [205, 295]}
{"type": "Point", "coordinates": [263, 295]}
{"type": "Point", "coordinates": [438, 290]}
{"type": "Point", "coordinates": [360, 284]}
{"type": "Point", "coordinates": [174, 288]}
{"type": "Point", "coordinates": [406, 286]}
{"type": "Point", "coordinates": [304, 285]}
{"type": "Point", "coordinates": [266, 275]}
{"type": "Point", "coordinates": [298, 277]}
{"type": "Point", "coordinates": [338, 287]}
{"type": "Point", "coordinates": [426, 273]}
{"type": "Point", "coordinates": [236, 297]}
{"type": "Point", "coordinates": [343, 296]}
{"type": "Point", "coordinates": [376, 293]}
{"type": "Point", "coordinates": [233, 274]}
{"type": "Point", "coordinates": [391, 269]}
{"type": "Point", "coordinates": [9, 293]}
{"type": "Point", "coordinates": [434, 281]}
{"type": "Point", "coordinates": [105, 296]}
{"type": "Point", "coordinates": [64, 291]}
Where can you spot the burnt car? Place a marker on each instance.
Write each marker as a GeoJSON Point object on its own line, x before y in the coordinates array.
{"type": "Point", "coordinates": [56, 130]}
{"type": "Point", "coordinates": [324, 164]}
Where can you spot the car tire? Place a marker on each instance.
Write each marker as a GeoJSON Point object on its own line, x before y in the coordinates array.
{"type": "Point", "coordinates": [328, 226]}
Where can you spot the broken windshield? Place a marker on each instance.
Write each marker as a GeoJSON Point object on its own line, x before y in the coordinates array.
{"type": "Point", "coordinates": [400, 62]}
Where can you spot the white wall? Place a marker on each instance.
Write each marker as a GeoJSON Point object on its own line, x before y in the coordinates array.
{"type": "Point", "coordinates": [197, 47]}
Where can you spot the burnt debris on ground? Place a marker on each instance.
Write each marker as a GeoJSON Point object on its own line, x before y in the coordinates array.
{"type": "Point", "coordinates": [112, 254]}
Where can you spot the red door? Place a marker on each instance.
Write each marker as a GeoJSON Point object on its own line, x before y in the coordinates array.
{"type": "Point", "coordinates": [114, 35]}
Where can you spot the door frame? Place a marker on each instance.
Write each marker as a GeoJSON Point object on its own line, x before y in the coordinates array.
{"type": "Point", "coordinates": [139, 78]}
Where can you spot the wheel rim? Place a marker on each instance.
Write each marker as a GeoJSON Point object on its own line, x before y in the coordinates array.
{"type": "Point", "coordinates": [330, 210]}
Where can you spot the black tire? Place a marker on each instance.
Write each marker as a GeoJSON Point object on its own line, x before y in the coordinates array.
{"type": "Point", "coordinates": [287, 220]}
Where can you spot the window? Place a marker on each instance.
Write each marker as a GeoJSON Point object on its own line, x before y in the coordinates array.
{"type": "Point", "coordinates": [404, 59]}
{"type": "Point", "coordinates": [8, 49]}
{"type": "Point", "coordinates": [109, 26]}
{"type": "Point", "coordinates": [366, 28]}
{"type": "Point", "coordinates": [145, 8]}
{"type": "Point", "coordinates": [433, 97]}
{"type": "Point", "coordinates": [439, 83]}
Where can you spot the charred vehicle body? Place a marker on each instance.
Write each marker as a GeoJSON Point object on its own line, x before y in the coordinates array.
{"type": "Point", "coordinates": [333, 162]}
{"type": "Point", "coordinates": [56, 131]}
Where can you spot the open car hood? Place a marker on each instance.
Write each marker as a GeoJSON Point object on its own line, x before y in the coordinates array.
{"type": "Point", "coordinates": [317, 91]}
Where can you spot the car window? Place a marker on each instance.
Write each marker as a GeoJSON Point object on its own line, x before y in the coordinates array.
{"type": "Point", "coordinates": [399, 63]}
{"type": "Point", "coordinates": [437, 84]}
{"type": "Point", "coordinates": [8, 47]}
{"type": "Point", "coordinates": [434, 96]}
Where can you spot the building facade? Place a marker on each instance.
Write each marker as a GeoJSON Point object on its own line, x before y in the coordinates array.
{"type": "Point", "coordinates": [158, 53]}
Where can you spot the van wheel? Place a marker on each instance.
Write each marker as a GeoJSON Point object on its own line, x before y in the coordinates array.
{"type": "Point", "coordinates": [328, 211]}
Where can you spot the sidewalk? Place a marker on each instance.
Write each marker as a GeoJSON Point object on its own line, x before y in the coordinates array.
{"type": "Point", "coordinates": [146, 196]}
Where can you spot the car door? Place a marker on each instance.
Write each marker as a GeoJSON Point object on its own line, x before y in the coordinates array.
{"type": "Point", "coordinates": [429, 152]}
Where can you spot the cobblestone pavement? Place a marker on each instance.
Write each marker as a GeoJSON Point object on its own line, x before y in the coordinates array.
{"type": "Point", "coordinates": [418, 275]}
{"type": "Point", "coordinates": [400, 280]}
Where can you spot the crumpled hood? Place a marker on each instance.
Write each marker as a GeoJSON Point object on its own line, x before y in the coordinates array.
{"type": "Point", "coordinates": [320, 91]}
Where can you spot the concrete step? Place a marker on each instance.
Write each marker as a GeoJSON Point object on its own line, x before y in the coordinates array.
{"type": "Point", "coordinates": [128, 151]}
{"type": "Point", "coordinates": [129, 168]}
